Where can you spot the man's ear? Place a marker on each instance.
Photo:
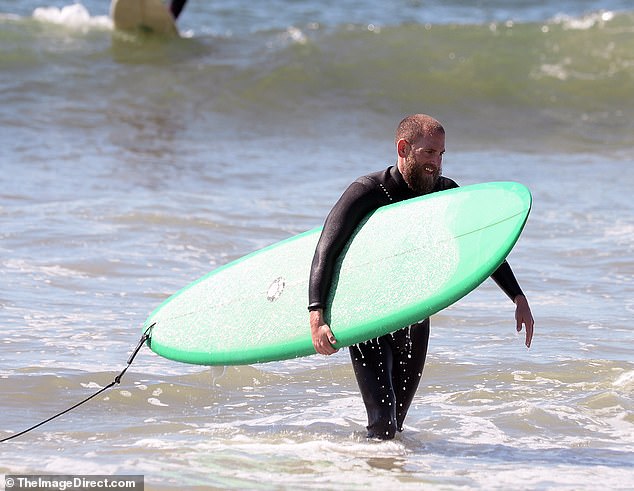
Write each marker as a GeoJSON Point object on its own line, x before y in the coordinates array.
{"type": "Point", "coordinates": [403, 148]}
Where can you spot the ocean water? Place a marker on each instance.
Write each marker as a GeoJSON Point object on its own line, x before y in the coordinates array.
{"type": "Point", "coordinates": [132, 164]}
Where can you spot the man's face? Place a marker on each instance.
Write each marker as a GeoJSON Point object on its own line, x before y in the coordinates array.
{"type": "Point", "coordinates": [423, 163]}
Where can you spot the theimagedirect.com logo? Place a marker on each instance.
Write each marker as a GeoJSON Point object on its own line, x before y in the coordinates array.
{"type": "Point", "coordinates": [73, 482]}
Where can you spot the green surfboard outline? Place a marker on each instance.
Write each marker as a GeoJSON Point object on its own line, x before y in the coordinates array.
{"type": "Point", "coordinates": [301, 345]}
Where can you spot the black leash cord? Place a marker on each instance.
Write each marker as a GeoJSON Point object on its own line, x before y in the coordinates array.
{"type": "Point", "coordinates": [146, 335]}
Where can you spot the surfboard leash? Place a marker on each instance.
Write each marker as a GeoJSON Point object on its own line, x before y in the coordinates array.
{"type": "Point", "coordinates": [147, 334]}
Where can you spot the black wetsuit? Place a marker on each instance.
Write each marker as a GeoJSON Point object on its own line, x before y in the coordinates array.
{"type": "Point", "coordinates": [388, 369]}
{"type": "Point", "coordinates": [176, 6]}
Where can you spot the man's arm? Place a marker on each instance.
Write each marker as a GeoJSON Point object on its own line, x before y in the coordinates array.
{"type": "Point", "coordinates": [505, 279]}
{"type": "Point", "coordinates": [355, 203]}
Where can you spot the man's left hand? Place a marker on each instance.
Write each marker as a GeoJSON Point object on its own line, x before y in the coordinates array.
{"type": "Point", "coordinates": [524, 317]}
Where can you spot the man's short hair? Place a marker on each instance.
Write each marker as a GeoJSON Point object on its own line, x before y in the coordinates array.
{"type": "Point", "coordinates": [417, 125]}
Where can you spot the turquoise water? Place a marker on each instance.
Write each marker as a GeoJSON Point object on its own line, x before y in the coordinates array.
{"type": "Point", "coordinates": [132, 165]}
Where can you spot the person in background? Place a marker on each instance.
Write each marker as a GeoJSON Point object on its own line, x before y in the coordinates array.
{"type": "Point", "coordinates": [388, 369]}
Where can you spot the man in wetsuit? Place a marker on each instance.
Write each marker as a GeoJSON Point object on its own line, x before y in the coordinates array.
{"type": "Point", "coordinates": [388, 369]}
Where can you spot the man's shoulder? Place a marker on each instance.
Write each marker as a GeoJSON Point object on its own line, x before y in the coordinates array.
{"type": "Point", "coordinates": [374, 179]}
{"type": "Point", "coordinates": [375, 188]}
{"type": "Point", "coordinates": [445, 183]}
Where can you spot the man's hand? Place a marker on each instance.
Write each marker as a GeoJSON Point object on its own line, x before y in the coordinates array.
{"type": "Point", "coordinates": [524, 317]}
{"type": "Point", "coordinates": [323, 338]}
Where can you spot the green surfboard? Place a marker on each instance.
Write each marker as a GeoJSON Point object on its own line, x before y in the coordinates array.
{"type": "Point", "coordinates": [405, 262]}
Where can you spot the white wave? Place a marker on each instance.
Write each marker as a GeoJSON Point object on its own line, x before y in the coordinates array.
{"type": "Point", "coordinates": [625, 380]}
{"type": "Point", "coordinates": [584, 22]}
{"type": "Point", "coordinates": [75, 16]}
{"type": "Point", "coordinates": [40, 271]}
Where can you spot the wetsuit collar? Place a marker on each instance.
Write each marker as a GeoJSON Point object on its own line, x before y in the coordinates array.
{"type": "Point", "coordinates": [398, 178]}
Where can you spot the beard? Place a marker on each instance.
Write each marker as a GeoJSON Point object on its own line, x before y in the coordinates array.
{"type": "Point", "coordinates": [417, 179]}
